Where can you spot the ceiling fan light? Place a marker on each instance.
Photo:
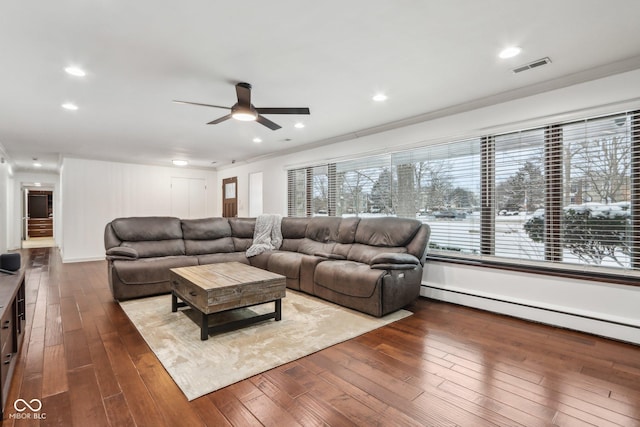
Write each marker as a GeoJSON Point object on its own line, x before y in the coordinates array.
{"type": "Point", "coordinates": [244, 117]}
{"type": "Point", "coordinates": [244, 114]}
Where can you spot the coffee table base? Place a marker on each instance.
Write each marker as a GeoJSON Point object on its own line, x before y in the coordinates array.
{"type": "Point", "coordinates": [205, 329]}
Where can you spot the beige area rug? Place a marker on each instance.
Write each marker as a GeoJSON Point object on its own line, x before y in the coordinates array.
{"type": "Point", "coordinates": [199, 367]}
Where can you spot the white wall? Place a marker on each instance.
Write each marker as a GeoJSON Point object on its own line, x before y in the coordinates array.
{"type": "Point", "coordinates": [274, 186]}
{"type": "Point", "coordinates": [6, 181]}
{"type": "Point", "coordinates": [586, 298]}
{"type": "Point", "coordinates": [96, 192]}
{"type": "Point", "coordinates": [601, 308]}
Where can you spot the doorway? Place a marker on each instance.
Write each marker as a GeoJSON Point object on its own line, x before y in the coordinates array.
{"type": "Point", "coordinates": [37, 214]}
{"type": "Point", "coordinates": [230, 197]}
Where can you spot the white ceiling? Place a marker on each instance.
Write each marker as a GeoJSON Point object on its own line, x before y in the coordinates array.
{"type": "Point", "coordinates": [428, 56]}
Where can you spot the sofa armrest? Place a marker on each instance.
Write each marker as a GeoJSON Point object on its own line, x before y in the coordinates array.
{"type": "Point", "coordinates": [122, 253]}
{"type": "Point", "coordinates": [394, 258]}
{"type": "Point", "coordinates": [391, 266]}
{"type": "Point", "coordinates": [329, 255]}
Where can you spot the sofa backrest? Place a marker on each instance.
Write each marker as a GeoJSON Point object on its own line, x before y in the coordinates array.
{"type": "Point", "coordinates": [207, 236]}
{"type": "Point", "coordinates": [293, 232]}
{"type": "Point", "coordinates": [149, 236]}
{"type": "Point", "coordinates": [242, 232]}
{"type": "Point", "coordinates": [389, 234]}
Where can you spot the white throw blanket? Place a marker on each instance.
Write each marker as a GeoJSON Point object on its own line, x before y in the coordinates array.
{"type": "Point", "coordinates": [267, 235]}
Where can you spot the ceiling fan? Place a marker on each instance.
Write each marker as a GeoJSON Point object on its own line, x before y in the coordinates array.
{"type": "Point", "coordinates": [245, 111]}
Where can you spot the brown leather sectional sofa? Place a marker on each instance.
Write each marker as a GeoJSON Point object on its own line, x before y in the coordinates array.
{"type": "Point", "coordinates": [373, 265]}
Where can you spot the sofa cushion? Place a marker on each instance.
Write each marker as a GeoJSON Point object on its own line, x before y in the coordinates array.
{"type": "Point", "coordinates": [122, 252]}
{"type": "Point", "coordinates": [197, 247]}
{"type": "Point", "coordinates": [285, 263]}
{"type": "Point", "coordinates": [205, 228]}
{"type": "Point", "coordinates": [323, 229]}
{"type": "Point", "coordinates": [242, 232]}
{"type": "Point", "coordinates": [312, 247]}
{"type": "Point", "coordinates": [156, 248]}
{"type": "Point", "coordinates": [294, 228]}
{"type": "Point", "coordinates": [365, 253]}
{"type": "Point", "coordinates": [386, 231]}
{"type": "Point", "coordinates": [150, 270]}
{"type": "Point", "coordinates": [242, 227]}
{"type": "Point", "coordinates": [347, 230]}
{"type": "Point", "coordinates": [241, 244]}
{"type": "Point", "coordinates": [139, 229]}
{"type": "Point", "coordinates": [207, 236]}
{"type": "Point", "coordinates": [214, 258]}
{"type": "Point", "coordinates": [348, 278]}
{"type": "Point", "coordinates": [395, 258]}
{"type": "Point", "coordinates": [291, 245]}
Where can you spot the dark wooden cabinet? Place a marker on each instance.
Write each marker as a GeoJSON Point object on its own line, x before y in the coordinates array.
{"type": "Point", "coordinates": [12, 323]}
{"type": "Point", "coordinates": [40, 214]}
{"type": "Point", "coordinates": [40, 227]}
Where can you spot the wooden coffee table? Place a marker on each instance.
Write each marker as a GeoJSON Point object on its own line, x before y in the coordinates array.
{"type": "Point", "coordinates": [215, 288]}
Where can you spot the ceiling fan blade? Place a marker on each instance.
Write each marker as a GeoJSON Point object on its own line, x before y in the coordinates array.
{"type": "Point", "coordinates": [203, 105]}
{"type": "Point", "coordinates": [220, 120]}
{"type": "Point", "coordinates": [283, 110]}
{"type": "Point", "coordinates": [268, 123]}
{"type": "Point", "coordinates": [243, 90]}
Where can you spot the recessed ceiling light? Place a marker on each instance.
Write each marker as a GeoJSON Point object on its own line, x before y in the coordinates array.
{"type": "Point", "coordinates": [257, 140]}
{"type": "Point", "coordinates": [509, 52]}
{"type": "Point", "coordinates": [75, 71]}
{"type": "Point", "coordinates": [180, 162]}
{"type": "Point", "coordinates": [37, 165]}
{"type": "Point", "coordinates": [299, 125]}
{"type": "Point", "coordinates": [379, 97]}
{"type": "Point", "coordinates": [70, 106]}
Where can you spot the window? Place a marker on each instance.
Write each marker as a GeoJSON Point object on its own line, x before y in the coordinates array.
{"type": "Point", "coordinates": [364, 187]}
{"type": "Point", "coordinates": [297, 192]}
{"type": "Point", "coordinates": [519, 192]}
{"type": "Point", "coordinates": [564, 196]}
{"type": "Point", "coordinates": [309, 191]}
{"type": "Point", "coordinates": [596, 217]}
{"type": "Point", "coordinates": [441, 186]}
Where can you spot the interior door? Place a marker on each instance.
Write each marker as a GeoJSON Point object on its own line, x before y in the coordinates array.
{"type": "Point", "coordinates": [25, 214]}
{"type": "Point", "coordinates": [188, 197]}
{"type": "Point", "coordinates": [230, 197]}
{"type": "Point", "coordinates": [255, 194]}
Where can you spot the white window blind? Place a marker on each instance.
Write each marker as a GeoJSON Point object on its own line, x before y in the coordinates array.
{"type": "Point", "coordinates": [320, 191]}
{"type": "Point", "coordinates": [440, 185]}
{"type": "Point", "coordinates": [364, 187]}
{"type": "Point", "coordinates": [297, 192]}
{"type": "Point", "coordinates": [519, 192]}
{"type": "Point", "coordinates": [309, 190]}
{"type": "Point", "coordinates": [596, 227]}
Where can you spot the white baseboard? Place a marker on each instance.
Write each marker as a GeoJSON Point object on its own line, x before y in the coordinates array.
{"type": "Point", "coordinates": [589, 324]}
{"type": "Point", "coordinates": [71, 260]}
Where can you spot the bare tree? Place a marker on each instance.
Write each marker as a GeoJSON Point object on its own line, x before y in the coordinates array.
{"type": "Point", "coordinates": [406, 190]}
{"type": "Point", "coordinates": [604, 164]}
{"type": "Point", "coordinates": [436, 184]}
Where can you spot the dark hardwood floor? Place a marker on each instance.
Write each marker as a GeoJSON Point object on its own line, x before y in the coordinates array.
{"type": "Point", "coordinates": [444, 366]}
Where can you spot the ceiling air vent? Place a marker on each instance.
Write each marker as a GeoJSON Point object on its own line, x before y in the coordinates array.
{"type": "Point", "coordinates": [531, 65]}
